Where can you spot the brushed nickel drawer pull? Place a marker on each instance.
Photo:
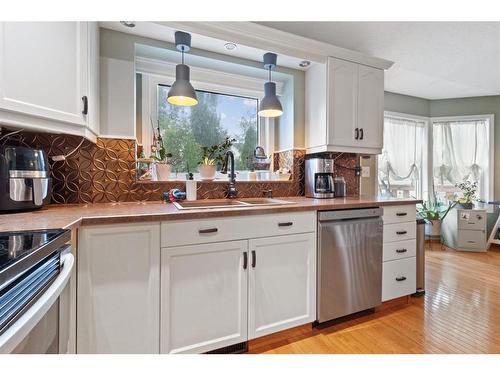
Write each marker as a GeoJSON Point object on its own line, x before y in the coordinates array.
{"type": "Point", "coordinates": [210, 230]}
{"type": "Point", "coordinates": [401, 213]}
{"type": "Point", "coordinates": [402, 278]}
{"type": "Point", "coordinates": [401, 250]}
{"type": "Point", "coordinates": [287, 224]}
{"type": "Point", "coordinates": [400, 232]}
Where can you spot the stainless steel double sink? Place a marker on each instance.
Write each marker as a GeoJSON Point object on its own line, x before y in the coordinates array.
{"type": "Point", "coordinates": [229, 203]}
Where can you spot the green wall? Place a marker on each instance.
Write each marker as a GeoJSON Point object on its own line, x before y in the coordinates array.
{"type": "Point", "coordinates": [406, 104]}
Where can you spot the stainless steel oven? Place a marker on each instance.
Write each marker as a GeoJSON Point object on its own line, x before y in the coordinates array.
{"type": "Point", "coordinates": [35, 292]}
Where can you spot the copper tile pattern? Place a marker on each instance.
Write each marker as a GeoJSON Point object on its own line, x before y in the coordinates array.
{"type": "Point", "coordinates": [105, 172]}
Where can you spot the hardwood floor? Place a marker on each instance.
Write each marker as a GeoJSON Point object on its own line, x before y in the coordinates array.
{"type": "Point", "coordinates": [460, 313]}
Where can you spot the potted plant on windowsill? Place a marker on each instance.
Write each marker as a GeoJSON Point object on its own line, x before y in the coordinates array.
{"type": "Point", "coordinates": [469, 194]}
{"type": "Point", "coordinates": [212, 157]}
{"type": "Point", "coordinates": [433, 213]}
{"type": "Point", "coordinates": [162, 165]}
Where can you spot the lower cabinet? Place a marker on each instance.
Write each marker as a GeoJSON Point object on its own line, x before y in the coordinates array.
{"type": "Point", "coordinates": [282, 285]}
{"type": "Point", "coordinates": [204, 296]}
{"type": "Point", "coordinates": [219, 294]}
{"type": "Point", "coordinates": [118, 289]}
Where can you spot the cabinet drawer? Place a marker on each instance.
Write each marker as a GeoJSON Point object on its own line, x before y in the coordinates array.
{"type": "Point", "coordinates": [189, 232]}
{"type": "Point", "coordinates": [400, 231]}
{"type": "Point", "coordinates": [475, 220]}
{"type": "Point", "coordinates": [399, 250]}
{"type": "Point", "coordinates": [471, 239]}
{"type": "Point", "coordinates": [399, 278]}
{"type": "Point", "coordinates": [399, 214]}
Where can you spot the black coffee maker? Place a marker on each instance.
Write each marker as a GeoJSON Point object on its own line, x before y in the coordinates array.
{"type": "Point", "coordinates": [25, 182]}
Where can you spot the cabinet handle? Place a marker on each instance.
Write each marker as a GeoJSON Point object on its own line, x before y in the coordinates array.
{"type": "Point", "coordinates": [470, 241]}
{"type": "Point", "coordinates": [362, 135]}
{"type": "Point", "coordinates": [401, 232]}
{"type": "Point", "coordinates": [356, 133]}
{"type": "Point", "coordinates": [254, 259]}
{"type": "Point", "coordinates": [287, 224]}
{"type": "Point", "coordinates": [401, 278]}
{"type": "Point", "coordinates": [401, 213]}
{"type": "Point", "coordinates": [209, 230]}
{"type": "Point", "coordinates": [401, 250]}
{"type": "Point", "coordinates": [245, 260]}
{"type": "Point", "coordinates": [85, 105]}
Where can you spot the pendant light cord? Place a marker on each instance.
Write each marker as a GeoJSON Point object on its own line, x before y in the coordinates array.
{"type": "Point", "coordinates": [182, 54]}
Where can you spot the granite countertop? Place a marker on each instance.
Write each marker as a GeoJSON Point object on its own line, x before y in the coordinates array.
{"type": "Point", "coordinates": [71, 216]}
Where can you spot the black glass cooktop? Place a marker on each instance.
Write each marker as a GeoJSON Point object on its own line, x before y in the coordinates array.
{"type": "Point", "coordinates": [17, 245]}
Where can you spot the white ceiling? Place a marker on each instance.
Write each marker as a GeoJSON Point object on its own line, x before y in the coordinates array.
{"type": "Point", "coordinates": [433, 60]}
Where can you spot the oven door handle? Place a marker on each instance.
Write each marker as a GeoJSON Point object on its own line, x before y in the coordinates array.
{"type": "Point", "coordinates": [23, 326]}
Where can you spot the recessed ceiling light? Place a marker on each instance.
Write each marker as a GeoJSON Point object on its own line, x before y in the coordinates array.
{"type": "Point", "coordinates": [230, 46]}
{"type": "Point", "coordinates": [128, 23]}
{"type": "Point", "coordinates": [304, 64]}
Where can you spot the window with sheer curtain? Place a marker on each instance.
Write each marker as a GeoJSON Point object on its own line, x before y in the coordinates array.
{"type": "Point", "coordinates": [461, 151]}
{"type": "Point", "coordinates": [402, 164]}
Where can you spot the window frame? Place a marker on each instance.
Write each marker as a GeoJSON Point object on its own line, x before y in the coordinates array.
{"type": "Point", "coordinates": [151, 80]}
{"type": "Point", "coordinates": [429, 152]}
{"type": "Point", "coordinates": [426, 182]}
{"type": "Point", "coordinates": [491, 151]}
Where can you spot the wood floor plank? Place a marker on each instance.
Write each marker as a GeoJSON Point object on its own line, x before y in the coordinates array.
{"type": "Point", "coordinates": [460, 313]}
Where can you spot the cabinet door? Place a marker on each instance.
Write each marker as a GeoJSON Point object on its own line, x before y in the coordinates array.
{"type": "Point", "coordinates": [342, 102]}
{"type": "Point", "coordinates": [119, 289]}
{"type": "Point", "coordinates": [94, 77]}
{"type": "Point", "coordinates": [282, 285]}
{"type": "Point", "coordinates": [371, 106]}
{"type": "Point", "coordinates": [204, 297]}
{"type": "Point", "coordinates": [43, 69]}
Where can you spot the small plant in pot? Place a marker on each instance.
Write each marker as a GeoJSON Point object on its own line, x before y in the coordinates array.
{"type": "Point", "coordinates": [213, 156]}
{"type": "Point", "coordinates": [433, 213]}
{"type": "Point", "coordinates": [163, 166]}
{"type": "Point", "coordinates": [469, 194]}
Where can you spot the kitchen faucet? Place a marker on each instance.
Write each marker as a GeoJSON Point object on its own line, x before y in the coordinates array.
{"type": "Point", "coordinates": [231, 190]}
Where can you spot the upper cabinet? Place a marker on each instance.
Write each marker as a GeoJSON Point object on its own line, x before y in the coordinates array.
{"type": "Point", "coordinates": [49, 76]}
{"type": "Point", "coordinates": [344, 107]}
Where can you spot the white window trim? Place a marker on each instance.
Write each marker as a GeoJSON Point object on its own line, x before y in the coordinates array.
{"type": "Point", "coordinates": [491, 136]}
{"type": "Point", "coordinates": [429, 121]}
{"type": "Point", "coordinates": [427, 153]}
{"type": "Point", "coordinates": [150, 82]}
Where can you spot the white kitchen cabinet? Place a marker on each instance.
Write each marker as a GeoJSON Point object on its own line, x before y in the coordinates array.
{"type": "Point", "coordinates": [119, 289]}
{"type": "Point", "coordinates": [282, 283]}
{"type": "Point", "coordinates": [370, 107]}
{"type": "Point", "coordinates": [399, 267]}
{"type": "Point", "coordinates": [48, 70]}
{"type": "Point", "coordinates": [204, 296]}
{"type": "Point", "coordinates": [344, 107]}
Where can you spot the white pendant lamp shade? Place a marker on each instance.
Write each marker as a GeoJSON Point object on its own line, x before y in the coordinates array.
{"type": "Point", "coordinates": [270, 105]}
{"type": "Point", "coordinates": [182, 92]}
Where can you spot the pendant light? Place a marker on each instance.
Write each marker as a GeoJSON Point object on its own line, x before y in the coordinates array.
{"type": "Point", "coordinates": [182, 92]}
{"type": "Point", "coordinates": [270, 105]}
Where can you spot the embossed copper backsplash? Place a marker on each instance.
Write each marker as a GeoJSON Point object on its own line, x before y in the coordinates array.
{"type": "Point", "coordinates": [105, 172]}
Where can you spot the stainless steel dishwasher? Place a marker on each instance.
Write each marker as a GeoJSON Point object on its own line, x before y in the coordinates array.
{"type": "Point", "coordinates": [349, 262]}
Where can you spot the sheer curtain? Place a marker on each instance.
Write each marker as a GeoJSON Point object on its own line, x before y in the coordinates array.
{"type": "Point", "coordinates": [461, 152]}
{"type": "Point", "coordinates": [401, 164]}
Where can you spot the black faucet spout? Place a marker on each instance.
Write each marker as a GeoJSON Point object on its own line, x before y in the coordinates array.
{"type": "Point", "coordinates": [231, 190]}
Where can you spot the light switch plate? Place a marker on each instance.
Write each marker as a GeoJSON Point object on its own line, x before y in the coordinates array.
{"type": "Point", "coordinates": [365, 171]}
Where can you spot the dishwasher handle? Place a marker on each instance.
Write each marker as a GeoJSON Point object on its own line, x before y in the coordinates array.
{"type": "Point", "coordinates": [351, 214]}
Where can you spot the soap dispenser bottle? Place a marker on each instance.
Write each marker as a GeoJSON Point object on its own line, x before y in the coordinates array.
{"type": "Point", "coordinates": [191, 188]}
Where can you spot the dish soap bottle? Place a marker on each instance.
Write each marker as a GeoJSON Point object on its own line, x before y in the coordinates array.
{"type": "Point", "coordinates": [191, 188]}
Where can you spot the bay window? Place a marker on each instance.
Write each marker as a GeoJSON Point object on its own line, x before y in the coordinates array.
{"type": "Point", "coordinates": [425, 158]}
{"type": "Point", "coordinates": [402, 166]}
{"type": "Point", "coordinates": [462, 150]}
